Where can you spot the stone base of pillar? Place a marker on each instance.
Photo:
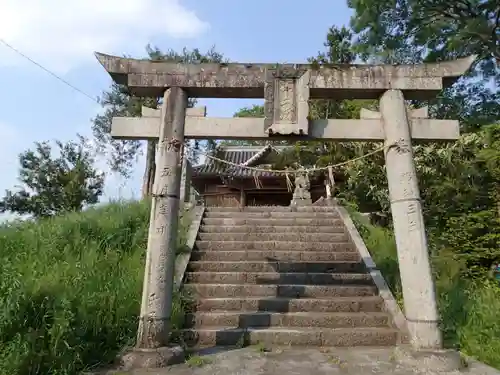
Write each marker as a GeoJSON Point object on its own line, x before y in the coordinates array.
{"type": "Point", "coordinates": [139, 358]}
{"type": "Point", "coordinates": [437, 360]}
{"type": "Point", "coordinates": [301, 202]}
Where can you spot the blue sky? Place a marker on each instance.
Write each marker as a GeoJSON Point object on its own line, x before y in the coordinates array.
{"type": "Point", "coordinates": [62, 35]}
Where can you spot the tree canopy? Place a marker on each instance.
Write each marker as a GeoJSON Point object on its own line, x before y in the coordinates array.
{"type": "Point", "coordinates": [459, 182]}
{"type": "Point", "coordinates": [122, 154]}
{"type": "Point", "coordinates": [55, 183]}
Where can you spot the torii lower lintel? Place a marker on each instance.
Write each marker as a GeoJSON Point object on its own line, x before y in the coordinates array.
{"type": "Point", "coordinates": [365, 129]}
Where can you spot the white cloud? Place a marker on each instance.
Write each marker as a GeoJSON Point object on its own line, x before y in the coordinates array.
{"type": "Point", "coordinates": [62, 34]}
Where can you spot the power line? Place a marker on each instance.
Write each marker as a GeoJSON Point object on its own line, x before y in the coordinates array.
{"type": "Point", "coordinates": [11, 47]}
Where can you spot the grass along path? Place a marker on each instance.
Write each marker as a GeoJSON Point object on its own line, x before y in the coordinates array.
{"type": "Point", "coordinates": [469, 309]}
{"type": "Point", "coordinates": [70, 289]}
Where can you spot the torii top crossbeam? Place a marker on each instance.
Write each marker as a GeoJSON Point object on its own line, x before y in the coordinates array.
{"type": "Point", "coordinates": [250, 80]}
{"type": "Point", "coordinates": [286, 90]}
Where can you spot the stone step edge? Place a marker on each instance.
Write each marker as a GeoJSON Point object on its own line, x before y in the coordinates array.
{"type": "Point", "coordinates": [275, 251]}
{"type": "Point", "coordinates": [291, 329]}
{"type": "Point", "coordinates": [288, 299]}
{"type": "Point", "coordinates": [350, 274]}
{"type": "Point", "coordinates": [305, 337]}
{"type": "Point", "coordinates": [332, 262]}
{"type": "Point", "coordinates": [340, 225]}
{"type": "Point", "coordinates": [292, 286]}
{"type": "Point", "coordinates": [295, 313]}
{"type": "Point", "coordinates": [239, 250]}
{"type": "Point", "coordinates": [310, 278]}
{"type": "Point", "coordinates": [297, 222]}
{"type": "Point", "coordinates": [340, 238]}
{"type": "Point", "coordinates": [273, 242]}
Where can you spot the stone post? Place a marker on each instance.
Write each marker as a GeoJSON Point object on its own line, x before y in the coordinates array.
{"type": "Point", "coordinates": [155, 324]}
{"type": "Point", "coordinates": [185, 181]}
{"type": "Point", "coordinates": [409, 230]}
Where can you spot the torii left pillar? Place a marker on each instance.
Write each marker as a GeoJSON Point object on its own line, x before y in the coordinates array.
{"type": "Point", "coordinates": [153, 348]}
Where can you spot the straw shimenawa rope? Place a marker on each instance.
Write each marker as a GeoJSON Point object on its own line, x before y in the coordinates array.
{"type": "Point", "coordinates": [297, 171]}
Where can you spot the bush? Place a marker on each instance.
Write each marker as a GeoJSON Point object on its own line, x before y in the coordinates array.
{"type": "Point", "coordinates": [70, 289]}
{"type": "Point", "coordinates": [469, 307]}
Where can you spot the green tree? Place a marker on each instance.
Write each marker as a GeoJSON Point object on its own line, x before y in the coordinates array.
{"type": "Point", "coordinates": [439, 27]}
{"type": "Point", "coordinates": [55, 184]}
{"type": "Point", "coordinates": [415, 31]}
{"type": "Point", "coordinates": [122, 154]}
{"type": "Point", "coordinates": [253, 111]}
{"type": "Point", "coordinates": [458, 182]}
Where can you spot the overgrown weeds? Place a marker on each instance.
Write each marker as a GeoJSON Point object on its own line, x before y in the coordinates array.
{"type": "Point", "coordinates": [70, 289]}
{"type": "Point", "coordinates": [469, 307]}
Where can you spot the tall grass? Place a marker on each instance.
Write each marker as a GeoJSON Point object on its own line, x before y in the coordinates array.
{"type": "Point", "coordinates": [469, 308]}
{"type": "Point", "coordinates": [70, 289]}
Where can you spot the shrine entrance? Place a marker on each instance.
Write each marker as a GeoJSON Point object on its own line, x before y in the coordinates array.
{"type": "Point", "coordinates": [287, 90]}
{"type": "Point", "coordinates": [268, 198]}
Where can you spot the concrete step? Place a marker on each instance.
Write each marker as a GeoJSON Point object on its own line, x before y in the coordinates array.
{"type": "Point", "coordinates": [266, 228]}
{"type": "Point", "coordinates": [290, 291]}
{"type": "Point", "coordinates": [290, 256]}
{"type": "Point", "coordinates": [246, 319]}
{"type": "Point", "coordinates": [273, 278]}
{"type": "Point", "coordinates": [343, 337]}
{"type": "Point", "coordinates": [272, 209]}
{"type": "Point", "coordinates": [295, 237]}
{"type": "Point", "coordinates": [331, 222]}
{"type": "Point", "coordinates": [274, 245]}
{"type": "Point", "coordinates": [282, 305]}
{"type": "Point", "coordinates": [272, 214]}
{"type": "Point", "coordinates": [281, 267]}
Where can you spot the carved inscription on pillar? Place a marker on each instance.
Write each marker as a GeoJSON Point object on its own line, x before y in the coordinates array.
{"type": "Point", "coordinates": [286, 93]}
{"type": "Point", "coordinates": [285, 110]}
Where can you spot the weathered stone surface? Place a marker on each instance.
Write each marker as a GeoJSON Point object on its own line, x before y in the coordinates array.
{"type": "Point", "coordinates": [239, 80]}
{"type": "Point", "coordinates": [272, 245]}
{"type": "Point", "coordinates": [279, 278]}
{"type": "Point", "coordinates": [289, 280]}
{"type": "Point", "coordinates": [390, 303]}
{"type": "Point", "coordinates": [296, 336]}
{"type": "Point", "coordinates": [274, 222]}
{"type": "Point", "coordinates": [190, 112]}
{"type": "Point", "coordinates": [283, 305]}
{"type": "Point", "coordinates": [292, 291]}
{"type": "Point", "coordinates": [271, 229]}
{"type": "Point", "coordinates": [158, 285]}
{"type": "Point", "coordinates": [277, 236]}
{"type": "Point", "coordinates": [273, 214]}
{"type": "Point", "coordinates": [274, 266]}
{"type": "Point", "coordinates": [152, 358]}
{"type": "Point", "coordinates": [422, 129]}
{"type": "Point", "coordinates": [182, 260]}
{"type": "Point", "coordinates": [286, 106]}
{"type": "Point", "coordinates": [306, 361]}
{"type": "Point", "coordinates": [409, 228]}
{"type": "Point", "coordinates": [287, 256]}
{"type": "Point", "coordinates": [296, 319]}
{"type": "Point", "coordinates": [272, 209]}
{"type": "Point", "coordinates": [436, 360]}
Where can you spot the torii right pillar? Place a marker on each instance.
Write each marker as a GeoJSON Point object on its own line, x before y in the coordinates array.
{"type": "Point", "coordinates": [409, 229]}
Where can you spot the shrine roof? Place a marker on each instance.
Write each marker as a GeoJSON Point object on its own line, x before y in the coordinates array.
{"type": "Point", "coordinates": [238, 155]}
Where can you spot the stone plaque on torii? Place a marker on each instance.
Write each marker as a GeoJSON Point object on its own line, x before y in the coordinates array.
{"type": "Point", "coordinates": [287, 90]}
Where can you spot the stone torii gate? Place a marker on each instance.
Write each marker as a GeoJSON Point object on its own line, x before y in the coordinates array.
{"type": "Point", "coordinates": [287, 90]}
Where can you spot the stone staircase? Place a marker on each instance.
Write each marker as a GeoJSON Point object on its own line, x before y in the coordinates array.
{"type": "Point", "coordinates": [275, 276]}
